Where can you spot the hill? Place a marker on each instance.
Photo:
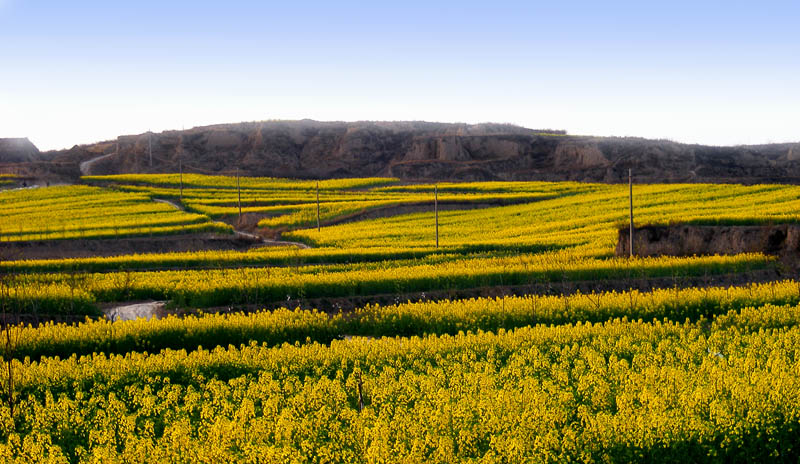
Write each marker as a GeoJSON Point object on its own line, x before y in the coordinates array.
{"type": "Point", "coordinates": [426, 151]}
{"type": "Point", "coordinates": [18, 150]}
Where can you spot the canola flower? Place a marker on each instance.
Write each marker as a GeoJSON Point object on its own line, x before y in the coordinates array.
{"type": "Point", "coordinates": [78, 211]}
{"type": "Point", "coordinates": [740, 306]}
{"type": "Point", "coordinates": [220, 287]}
{"type": "Point", "coordinates": [618, 391]}
{"type": "Point", "coordinates": [672, 375]}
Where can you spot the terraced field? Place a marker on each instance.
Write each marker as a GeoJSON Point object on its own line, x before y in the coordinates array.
{"type": "Point", "coordinates": [7, 180]}
{"type": "Point", "coordinates": [520, 338]}
{"type": "Point", "coordinates": [70, 212]}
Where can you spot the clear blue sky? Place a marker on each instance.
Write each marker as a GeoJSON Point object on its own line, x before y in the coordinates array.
{"type": "Point", "coordinates": [707, 72]}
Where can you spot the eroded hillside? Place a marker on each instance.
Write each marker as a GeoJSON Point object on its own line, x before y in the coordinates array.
{"type": "Point", "coordinates": [420, 151]}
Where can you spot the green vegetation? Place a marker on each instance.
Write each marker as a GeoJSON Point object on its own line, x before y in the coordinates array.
{"type": "Point", "coordinates": [669, 375]}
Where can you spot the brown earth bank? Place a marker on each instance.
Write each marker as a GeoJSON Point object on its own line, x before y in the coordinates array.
{"type": "Point", "coordinates": [689, 240]}
{"type": "Point", "coordinates": [418, 151]}
{"type": "Point", "coordinates": [85, 248]}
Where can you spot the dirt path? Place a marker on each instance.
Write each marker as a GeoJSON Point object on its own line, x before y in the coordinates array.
{"type": "Point", "coordinates": [270, 243]}
{"type": "Point", "coordinates": [86, 166]}
{"type": "Point", "coordinates": [169, 202]}
{"type": "Point", "coordinates": [239, 233]}
{"type": "Point", "coordinates": [147, 310]}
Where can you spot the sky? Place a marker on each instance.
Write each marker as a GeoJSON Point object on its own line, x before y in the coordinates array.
{"type": "Point", "coordinates": [710, 72]}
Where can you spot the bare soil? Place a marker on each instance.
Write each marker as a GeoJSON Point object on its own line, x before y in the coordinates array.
{"type": "Point", "coordinates": [85, 248]}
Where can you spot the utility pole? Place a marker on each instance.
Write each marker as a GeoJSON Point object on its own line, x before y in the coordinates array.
{"type": "Point", "coordinates": [318, 224]}
{"type": "Point", "coordinates": [180, 162]}
{"type": "Point", "coordinates": [180, 167]}
{"type": "Point", "coordinates": [630, 210]}
{"type": "Point", "coordinates": [436, 211]}
{"type": "Point", "coordinates": [239, 189]}
{"type": "Point", "coordinates": [150, 146]}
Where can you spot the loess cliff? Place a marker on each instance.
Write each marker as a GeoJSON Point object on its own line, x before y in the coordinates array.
{"type": "Point", "coordinates": [422, 151]}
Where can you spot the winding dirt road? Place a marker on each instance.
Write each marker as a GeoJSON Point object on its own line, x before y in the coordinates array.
{"type": "Point", "coordinates": [239, 233]}
{"type": "Point", "coordinates": [86, 166]}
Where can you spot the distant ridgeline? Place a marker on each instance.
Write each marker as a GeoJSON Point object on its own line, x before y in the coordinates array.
{"type": "Point", "coordinates": [423, 151]}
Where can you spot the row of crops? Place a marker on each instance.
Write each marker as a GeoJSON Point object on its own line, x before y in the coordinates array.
{"type": "Point", "coordinates": [407, 319]}
{"type": "Point", "coordinates": [544, 214]}
{"type": "Point", "coordinates": [586, 218]}
{"type": "Point", "coordinates": [76, 212]}
{"type": "Point", "coordinates": [257, 257]}
{"type": "Point", "coordinates": [8, 180]}
{"type": "Point", "coordinates": [567, 234]}
{"type": "Point", "coordinates": [76, 293]}
{"type": "Point", "coordinates": [620, 390]}
{"type": "Point", "coordinates": [549, 213]}
{"type": "Point", "coordinates": [294, 203]}
{"type": "Point", "coordinates": [674, 375]}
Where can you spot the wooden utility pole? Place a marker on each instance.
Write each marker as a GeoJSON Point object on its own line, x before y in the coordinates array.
{"type": "Point", "coordinates": [360, 397]}
{"type": "Point", "coordinates": [630, 211]}
{"type": "Point", "coordinates": [239, 190]}
{"type": "Point", "coordinates": [150, 146]}
{"type": "Point", "coordinates": [180, 167]}
{"type": "Point", "coordinates": [180, 162]}
{"type": "Point", "coordinates": [436, 211]}
{"type": "Point", "coordinates": [318, 224]}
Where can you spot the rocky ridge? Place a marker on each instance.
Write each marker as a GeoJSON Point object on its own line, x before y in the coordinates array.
{"type": "Point", "coordinates": [425, 151]}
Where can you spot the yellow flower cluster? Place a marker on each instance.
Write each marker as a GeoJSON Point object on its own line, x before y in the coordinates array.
{"type": "Point", "coordinates": [292, 203]}
{"type": "Point", "coordinates": [436, 272]}
{"type": "Point", "coordinates": [263, 256]}
{"type": "Point", "coordinates": [741, 306]}
{"type": "Point", "coordinates": [614, 392]}
{"type": "Point", "coordinates": [69, 212]}
{"type": "Point", "coordinates": [584, 217]}
{"type": "Point", "coordinates": [201, 181]}
{"type": "Point", "coordinates": [681, 375]}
